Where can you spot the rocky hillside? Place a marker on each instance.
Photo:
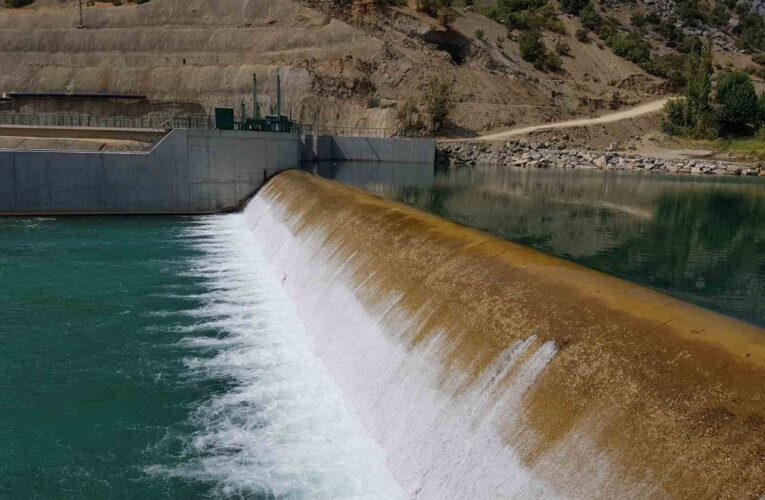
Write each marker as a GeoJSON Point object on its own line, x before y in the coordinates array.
{"type": "Point", "coordinates": [342, 63]}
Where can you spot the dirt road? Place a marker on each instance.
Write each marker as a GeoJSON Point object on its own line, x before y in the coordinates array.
{"type": "Point", "coordinates": [643, 109]}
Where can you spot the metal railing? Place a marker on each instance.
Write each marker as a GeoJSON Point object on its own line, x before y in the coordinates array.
{"type": "Point", "coordinates": [204, 122]}
{"type": "Point", "coordinates": [348, 131]}
{"type": "Point", "coordinates": [134, 122]}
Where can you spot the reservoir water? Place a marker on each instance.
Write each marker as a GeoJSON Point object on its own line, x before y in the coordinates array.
{"type": "Point", "coordinates": [699, 238]}
{"type": "Point", "coordinates": [153, 357]}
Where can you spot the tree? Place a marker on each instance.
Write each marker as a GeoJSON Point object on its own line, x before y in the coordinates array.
{"type": "Point", "coordinates": [700, 114]}
{"type": "Point", "coordinates": [409, 121]}
{"type": "Point", "coordinates": [739, 106]}
{"type": "Point", "coordinates": [439, 101]}
{"type": "Point", "coordinates": [694, 114]}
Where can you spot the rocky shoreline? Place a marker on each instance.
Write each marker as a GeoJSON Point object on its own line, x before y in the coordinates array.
{"type": "Point", "coordinates": [521, 153]}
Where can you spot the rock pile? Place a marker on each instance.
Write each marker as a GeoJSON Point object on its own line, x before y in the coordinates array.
{"type": "Point", "coordinates": [547, 155]}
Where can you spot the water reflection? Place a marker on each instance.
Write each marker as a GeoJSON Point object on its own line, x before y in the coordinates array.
{"type": "Point", "coordinates": [699, 238]}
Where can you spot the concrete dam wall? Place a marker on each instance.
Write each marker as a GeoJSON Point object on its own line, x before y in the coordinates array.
{"type": "Point", "coordinates": [187, 172]}
{"type": "Point", "coordinates": [486, 369]}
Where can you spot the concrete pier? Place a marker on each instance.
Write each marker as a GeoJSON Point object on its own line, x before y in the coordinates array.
{"type": "Point", "coordinates": [186, 172]}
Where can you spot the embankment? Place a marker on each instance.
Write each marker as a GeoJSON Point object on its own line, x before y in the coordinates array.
{"type": "Point", "coordinates": [486, 369]}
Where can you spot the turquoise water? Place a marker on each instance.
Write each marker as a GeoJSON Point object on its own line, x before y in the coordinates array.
{"type": "Point", "coordinates": [155, 357]}
{"type": "Point", "coordinates": [699, 238]}
{"type": "Point", "coordinates": [93, 386]}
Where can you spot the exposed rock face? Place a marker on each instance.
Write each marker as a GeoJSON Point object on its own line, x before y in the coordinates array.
{"type": "Point", "coordinates": [545, 155]}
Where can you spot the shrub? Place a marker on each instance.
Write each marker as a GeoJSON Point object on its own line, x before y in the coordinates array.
{"type": "Point", "coordinates": [542, 18]}
{"type": "Point", "coordinates": [751, 31]}
{"type": "Point", "coordinates": [562, 48]}
{"type": "Point", "coordinates": [534, 51]}
{"type": "Point", "coordinates": [720, 16]}
{"type": "Point", "coordinates": [590, 18]}
{"type": "Point", "coordinates": [573, 6]}
{"type": "Point", "coordinates": [410, 123]}
{"type": "Point", "coordinates": [479, 34]}
{"type": "Point", "coordinates": [632, 47]}
{"type": "Point", "coordinates": [675, 119]}
{"type": "Point", "coordinates": [583, 35]}
{"type": "Point", "coordinates": [432, 7]}
{"type": "Point", "coordinates": [532, 48]}
{"type": "Point", "coordinates": [739, 105]}
{"type": "Point", "coordinates": [439, 101]}
{"type": "Point", "coordinates": [638, 20]}
{"type": "Point", "coordinates": [18, 3]}
{"type": "Point", "coordinates": [669, 66]}
{"type": "Point", "coordinates": [692, 12]}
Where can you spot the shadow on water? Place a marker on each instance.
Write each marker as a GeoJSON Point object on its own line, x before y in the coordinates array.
{"type": "Point", "coordinates": [699, 238]}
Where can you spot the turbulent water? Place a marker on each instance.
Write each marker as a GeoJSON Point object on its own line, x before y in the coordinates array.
{"type": "Point", "coordinates": [700, 238]}
{"type": "Point", "coordinates": [333, 345]}
{"type": "Point", "coordinates": [159, 358]}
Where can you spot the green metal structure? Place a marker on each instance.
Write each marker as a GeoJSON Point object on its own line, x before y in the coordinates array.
{"type": "Point", "coordinates": [274, 122]}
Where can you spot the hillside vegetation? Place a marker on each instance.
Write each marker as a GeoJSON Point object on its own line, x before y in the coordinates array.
{"type": "Point", "coordinates": [365, 63]}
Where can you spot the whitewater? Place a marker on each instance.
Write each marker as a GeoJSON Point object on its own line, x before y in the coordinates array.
{"type": "Point", "coordinates": [284, 429]}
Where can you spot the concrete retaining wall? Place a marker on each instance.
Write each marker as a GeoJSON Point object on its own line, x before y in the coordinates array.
{"type": "Point", "coordinates": [388, 150]}
{"type": "Point", "coordinates": [189, 171]}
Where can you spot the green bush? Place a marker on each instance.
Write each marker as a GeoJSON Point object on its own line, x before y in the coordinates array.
{"type": "Point", "coordinates": [432, 7]}
{"type": "Point", "coordinates": [720, 16]}
{"type": "Point", "coordinates": [583, 35]}
{"type": "Point", "coordinates": [692, 12]}
{"type": "Point", "coordinates": [739, 105]}
{"type": "Point", "coordinates": [751, 31]}
{"type": "Point", "coordinates": [439, 101]}
{"type": "Point", "coordinates": [573, 6]}
{"type": "Point", "coordinates": [18, 3]}
{"type": "Point", "coordinates": [532, 47]}
{"type": "Point", "coordinates": [670, 67]}
{"type": "Point", "coordinates": [590, 18]}
{"type": "Point", "coordinates": [638, 20]}
{"type": "Point", "coordinates": [632, 47]}
{"type": "Point", "coordinates": [534, 51]}
{"type": "Point", "coordinates": [545, 17]}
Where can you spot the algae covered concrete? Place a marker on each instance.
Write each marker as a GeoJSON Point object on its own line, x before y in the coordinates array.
{"type": "Point", "coordinates": [646, 396]}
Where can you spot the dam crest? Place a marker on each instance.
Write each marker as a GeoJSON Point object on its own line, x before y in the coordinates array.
{"type": "Point", "coordinates": [486, 369]}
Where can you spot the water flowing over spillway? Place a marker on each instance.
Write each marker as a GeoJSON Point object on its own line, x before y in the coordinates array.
{"type": "Point", "coordinates": [285, 429]}
{"type": "Point", "coordinates": [484, 369]}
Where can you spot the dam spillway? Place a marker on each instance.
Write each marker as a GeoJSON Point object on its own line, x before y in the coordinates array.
{"type": "Point", "coordinates": [485, 369]}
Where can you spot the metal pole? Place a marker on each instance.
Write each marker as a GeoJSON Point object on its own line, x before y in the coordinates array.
{"type": "Point", "coordinates": [82, 24]}
{"type": "Point", "coordinates": [278, 99]}
{"type": "Point", "coordinates": [256, 104]}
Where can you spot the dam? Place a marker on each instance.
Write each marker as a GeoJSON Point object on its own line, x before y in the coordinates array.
{"type": "Point", "coordinates": [327, 342]}
{"type": "Point", "coordinates": [187, 171]}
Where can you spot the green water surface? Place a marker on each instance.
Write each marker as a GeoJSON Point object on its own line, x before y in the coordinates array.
{"type": "Point", "coordinates": [93, 389]}
{"type": "Point", "coordinates": [699, 238]}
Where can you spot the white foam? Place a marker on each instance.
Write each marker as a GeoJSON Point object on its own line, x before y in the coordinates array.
{"type": "Point", "coordinates": [440, 443]}
{"type": "Point", "coordinates": [286, 429]}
